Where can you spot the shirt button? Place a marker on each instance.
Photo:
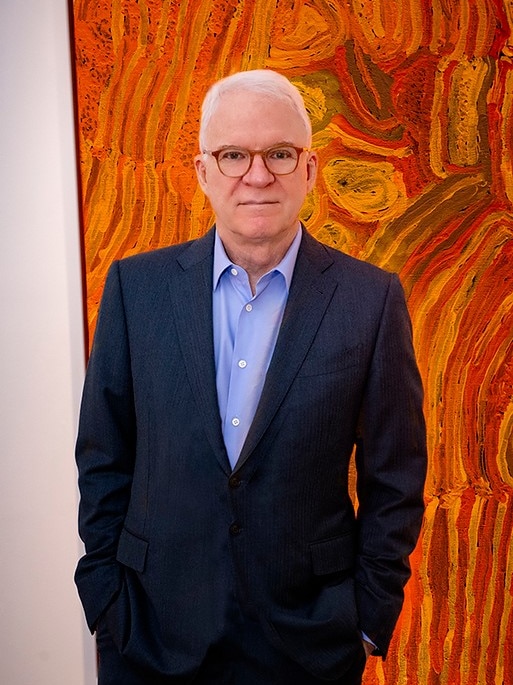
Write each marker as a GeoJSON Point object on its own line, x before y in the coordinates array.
{"type": "Point", "coordinates": [249, 307]}
{"type": "Point", "coordinates": [235, 529]}
{"type": "Point", "coordinates": [235, 421]}
{"type": "Point", "coordinates": [242, 364]}
{"type": "Point", "coordinates": [234, 272]}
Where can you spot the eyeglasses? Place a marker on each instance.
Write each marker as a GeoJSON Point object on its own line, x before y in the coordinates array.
{"type": "Point", "coordinates": [279, 160]}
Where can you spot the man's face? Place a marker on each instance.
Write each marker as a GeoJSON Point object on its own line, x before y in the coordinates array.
{"type": "Point", "coordinates": [259, 207]}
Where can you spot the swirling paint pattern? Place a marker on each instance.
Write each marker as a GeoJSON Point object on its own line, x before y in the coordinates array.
{"type": "Point", "coordinates": [412, 106]}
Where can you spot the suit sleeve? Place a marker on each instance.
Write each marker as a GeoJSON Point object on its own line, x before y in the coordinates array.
{"type": "Point", "coordinates": [391, 468]}
{"type": "Point", "coordinates": [105, 453]}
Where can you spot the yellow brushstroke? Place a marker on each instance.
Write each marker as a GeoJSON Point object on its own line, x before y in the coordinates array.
{"type": "Point", "coordinates": [437, 26]}
{"type": "Point", "coordinates": [484, 625]}
{"type": "Point", "coordinates": [102, 202]}
{"type": "Point", "coordinates": [415, 15]}
{"type": "Point", "coordinates": [151, 190]}
{"type": "Point", "coordinates": [504, 639]}
{"type": "Point", "coordinates": [463, 135]}
{"type": "Point", "coordinates": [507, 133]}
{"type": "Point", "coordinates": [426, 610]}
{"type": "Point", "coordinates": [117, 25]}
{"type": "Point", "coordinates": [506, 443]}
{"type": "Point", "coordinates": [460, 48]}
{"type": "Point", "coordinates": [453, 561]}
{"type": "Point", "coordinates": [482, 29]}
{"type": "Point", "coordinates": [437, 132]}
{"type": "Point", "coordinates": [352, 142]}
{"type": "Point", "coordinates": [469, 660]}
{"type": "Point", "coordinates": [508, 9]}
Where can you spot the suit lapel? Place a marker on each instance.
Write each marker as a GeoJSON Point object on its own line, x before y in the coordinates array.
{"type": "Point", "coordinates": [310, 294]}
{"type": "Point", "coordinates": [192, 297]}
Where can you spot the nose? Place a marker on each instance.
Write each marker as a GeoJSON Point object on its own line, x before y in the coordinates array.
{"type": "Point", "coordinates": [258, 174]}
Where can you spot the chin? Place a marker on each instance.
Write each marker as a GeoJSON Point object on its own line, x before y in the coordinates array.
{"type": "Point", "coordinates": [262, 228]}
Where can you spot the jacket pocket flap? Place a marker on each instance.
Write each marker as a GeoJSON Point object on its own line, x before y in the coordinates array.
{"type": "Point", "coordinates": [132, 550]}
{"type": "Point", "coordinates": [332, 555]}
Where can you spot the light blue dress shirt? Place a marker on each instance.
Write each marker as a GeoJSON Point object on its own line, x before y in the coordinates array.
{"type": "Point", "coordinates": [246, 327]}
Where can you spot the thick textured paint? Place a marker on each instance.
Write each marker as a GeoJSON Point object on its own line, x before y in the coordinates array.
{"type": "Point", "coordinates": [412, 110]}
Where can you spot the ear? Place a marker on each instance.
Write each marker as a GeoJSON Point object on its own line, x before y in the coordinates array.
{"type": "Point", "coordinates": [201, 171]}
{"type": "Point", "coordinates": [312, 165]}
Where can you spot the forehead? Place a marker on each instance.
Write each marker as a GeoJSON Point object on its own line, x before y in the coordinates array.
{"type": "Point", "coordinates": [254, 120]}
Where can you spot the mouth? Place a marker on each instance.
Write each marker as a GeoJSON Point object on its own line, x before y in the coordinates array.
{"type": "Point", "coordinates": [258, 203]}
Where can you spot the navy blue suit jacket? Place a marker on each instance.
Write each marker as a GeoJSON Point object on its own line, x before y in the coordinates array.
{"type": "Point", "coordinates": [171, 532]}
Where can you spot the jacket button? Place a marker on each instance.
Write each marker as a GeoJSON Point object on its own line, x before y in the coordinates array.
{"type": "Point", "coordinates": [235, 529]}
{"type": "Point", "coordinates": [234, 482]}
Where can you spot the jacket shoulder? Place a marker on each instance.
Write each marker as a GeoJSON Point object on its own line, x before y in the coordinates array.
{"type": "Point", "coordinates": [342, 266]}
{"type": "Point", "coordinates": [154, 258]}
{"type": "Point", "coordinates": [174, 258]}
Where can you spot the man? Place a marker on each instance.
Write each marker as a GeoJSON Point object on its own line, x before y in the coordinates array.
{"type": "Point", "coordinates": [229, 381]}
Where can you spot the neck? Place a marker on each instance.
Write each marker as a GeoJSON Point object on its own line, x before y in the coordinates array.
{"type": "Point", "coordinates": [257, 258]}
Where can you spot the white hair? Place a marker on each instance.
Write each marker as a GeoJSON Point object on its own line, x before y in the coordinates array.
{"type": "Point", "coordinates": [268, 83]}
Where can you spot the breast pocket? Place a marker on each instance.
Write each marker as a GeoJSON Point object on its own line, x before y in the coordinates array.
{"type": "Point", "coordinates": [331, 361]}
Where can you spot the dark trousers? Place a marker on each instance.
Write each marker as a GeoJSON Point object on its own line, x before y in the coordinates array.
{"type": "Point", "coordinates": [243, 657]}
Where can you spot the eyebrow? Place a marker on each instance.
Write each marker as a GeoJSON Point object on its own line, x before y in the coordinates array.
{"type": "Point", "coordinates": [241, 147]}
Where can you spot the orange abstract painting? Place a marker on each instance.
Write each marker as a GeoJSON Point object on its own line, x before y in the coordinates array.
{"type": "Point", "coordinates": [412, 107]}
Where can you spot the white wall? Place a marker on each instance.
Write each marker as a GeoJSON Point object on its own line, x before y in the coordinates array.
{"type": "Point", "coordinates": [42, 635]}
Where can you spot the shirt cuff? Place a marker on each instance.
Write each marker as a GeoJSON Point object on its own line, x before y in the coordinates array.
{"type": "Point", "coordinates": [367, 639]}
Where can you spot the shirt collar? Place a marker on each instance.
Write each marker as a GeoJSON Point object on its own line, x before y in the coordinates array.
{"type": "Point", "coordinates": [285, 267]}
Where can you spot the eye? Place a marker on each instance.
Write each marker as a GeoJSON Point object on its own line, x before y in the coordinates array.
{"type": "Point", "coordinates": [281, 153]}
{"type": "Point", "coordinates": [233, 155]}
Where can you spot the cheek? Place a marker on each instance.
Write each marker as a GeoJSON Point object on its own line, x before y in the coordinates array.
{"type": "Point", "coordinates": [298, 191]}
{"type": "Point", "coordinates": [217, 191]}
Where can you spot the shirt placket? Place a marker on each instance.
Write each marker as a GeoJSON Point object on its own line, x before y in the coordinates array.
{"type": "Point", "coordinates": [248, 367]}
